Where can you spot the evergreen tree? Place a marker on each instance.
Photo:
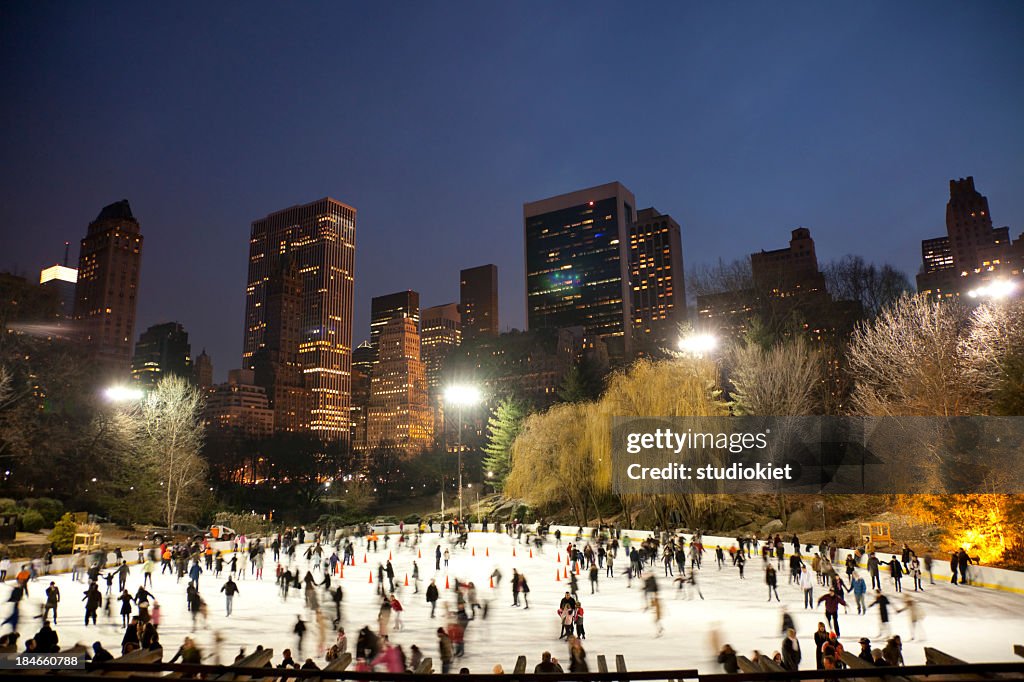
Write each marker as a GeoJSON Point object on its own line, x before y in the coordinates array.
{"type": "Point", "coordinates": [581, 383]}
{"type": "Point", "coordinates": [502, 429]}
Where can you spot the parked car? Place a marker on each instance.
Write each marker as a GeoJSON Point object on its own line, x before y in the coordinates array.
{"type": "Point", "coordinates": [179, 531]}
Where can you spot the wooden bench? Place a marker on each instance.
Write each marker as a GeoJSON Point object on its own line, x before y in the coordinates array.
{"type": "Point", "coordinates": [137, 656]}
{"type": "Point", "coordinates": [257, 659]}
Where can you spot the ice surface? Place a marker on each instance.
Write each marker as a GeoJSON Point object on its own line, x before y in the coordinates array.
{"type": "Point", "coordinates": [972, 623]}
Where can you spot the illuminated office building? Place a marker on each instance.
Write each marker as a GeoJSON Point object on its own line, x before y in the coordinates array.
{"type": "Point", "coordinates": [318, 241]}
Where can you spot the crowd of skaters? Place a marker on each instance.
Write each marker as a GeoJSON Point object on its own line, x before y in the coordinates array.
{"type": "Point", "coordinates": [596, 554]}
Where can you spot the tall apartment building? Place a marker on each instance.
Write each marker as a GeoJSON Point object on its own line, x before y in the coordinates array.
{"type": "Point", "coordinates": [319, 239]}
{"type": "Point", "coordinates": [577, 263]}
{"type": "Point", "coordinates": [478, 301]}
{"type": "Point", "coordinates": [106, 292]}
{"type": "Point", "coordinates": [399, 416]}
{"type": "Point", "coordinates": [162, 350]}
{"type": "Point", "coordinates": [656, 278]}
{"type": "Point", "coordinates": [973, 252]}
{"type": "Point", "coordinates": [385, 308]}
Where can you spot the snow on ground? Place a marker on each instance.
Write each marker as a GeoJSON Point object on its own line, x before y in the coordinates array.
{"type": "Point", "coordinates": [976, 624]}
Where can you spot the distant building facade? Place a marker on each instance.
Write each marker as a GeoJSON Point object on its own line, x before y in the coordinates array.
{"type": "Point", "coordinates": [106, 293]}
{"type": "Point", "coordinates": [162, 350]}
{"type": "Point", "coordinates": [577, 263]}
{"type": "Point", "coordinates": [362, 367]}
{"type": "Point", "coordinates": [385, 308]}
{"type": "Point", "coordinates": [238, 408]}
{"type": "Point", "coordinates": [478, 301]}
{"type": "Point", "coordinates": [973, 253]}
{"type": "Point", "coordinates": [656, 279]}
{"type": "Point", "coordinates": [317, 241]}
{"type": "Point", "coordinates": [202, 371]}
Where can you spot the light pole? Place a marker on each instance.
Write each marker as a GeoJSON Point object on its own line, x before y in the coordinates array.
{"type": "Point", "coordinates": [461, 395]}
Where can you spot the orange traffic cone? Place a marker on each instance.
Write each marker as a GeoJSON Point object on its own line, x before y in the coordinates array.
{"type": "Point", "coordinates": [371, 578]}
{"type": "Point", "coordinates": [446, 586]}
{"type": "Point", "coordinates": [419, 554]}
{"type": "Point", "coordinates": [341, 571]}
{"type": "Point", "coordinates": [389, 556]}
{"type": "Point", "coordinates": [565, 573]}
{"type": "Point", "coordinates": [487, 551]}
{"type": "Point", "coordinates": [559, 558]}
{"type": "Point", "coordinates": [558, 577]}
{"type": "Point", "coordinates": [407, 580]}
{"type": "Point", "coordinates": [492, 582]}
{"type": "Point", "coordinates": [577, 569]}
{"type": "Point", "coordinates": [474, 551]}
{"type": "Point", "coordinates": [364, 557]}
{"type": "Point", "coordinates": [531, 552]}
{"type": "Point", "coordinates": [513, 551]}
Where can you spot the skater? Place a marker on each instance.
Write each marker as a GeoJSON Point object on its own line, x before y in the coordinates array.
{"type": "Point", "coordinates": [593, 578]}
{"type": "Point", "coordinates": [808, 587]}
{"type": "Point", "coordinates": [93, 600]}
{"type": "Point", "coordinates": [883, 612]}
{"type": "Point", "coordinates": [580, 631]}
{"type": "Point", "coordinates": [791, 655]}
{"type": "Point", "coordinates": [524, 589]}
{"type": "Point", "coordinates": [566, 615]}
{"type": "Point", "coordinates": [771, 580]}
{"type": "Point", "coordinates": [515, 587]}
{"type": "Point", "coordinates": [52, 599]}
{"type": "Point", "coordinates": [415, 578]}
{"type": "Point", "coordinates": [859, 589]}
{"type": "Point", "coordinates": [876, 582]}
{"type": "Point", "coordinates": [832, 602]}
{"type": "Point", "coordinates": [300, 632]}
{"type": "Point", "coordinates": [437, 558]}
{"type": "Point", "coordinates": [432, 597]}
{"type": "Point", "coordinates": [230, 589]}
{"type": "Point", "coordinates": [896, 570]}
{"type": "Point", "coordinates": [122, 575]}
{"type": "Point", "coordinates": [126, 607]}
{"type": "Point", "coordinates": [954, 562]}
{"type": "Point", "coordinates": [913, 612]}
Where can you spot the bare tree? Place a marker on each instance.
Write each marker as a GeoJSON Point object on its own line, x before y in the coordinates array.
{"type": "Point", "coordinates": [170, 438]}
{"type": "Point", "coordinates": [852, 279]}
{"type": "Point", "coordinates": [784, 380]}
{"type": "Point", "coordinates": [911, 361]}
{"type": "Point", "coordinates": [719, 278]}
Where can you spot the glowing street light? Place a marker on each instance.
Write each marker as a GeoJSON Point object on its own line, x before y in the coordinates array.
{"type": "Point", "coordinates": [997, 289]}
{"type": "Point", "coordinates": [461, 395]}
{"type": "Point", "coordinates": [698, 345]}
{"type": "Point", "coordinates": [123, 394]}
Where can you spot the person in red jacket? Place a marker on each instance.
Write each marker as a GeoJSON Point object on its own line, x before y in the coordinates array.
{"type": "Point", "coordinates": [832, 602]}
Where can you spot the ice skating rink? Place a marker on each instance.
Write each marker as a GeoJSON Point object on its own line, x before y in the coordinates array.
{"type": "Point", "coordinates": [975, 624]}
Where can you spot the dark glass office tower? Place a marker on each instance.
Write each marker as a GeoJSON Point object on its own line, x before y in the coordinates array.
{"type": "Point", "coordinates": [577, 263]}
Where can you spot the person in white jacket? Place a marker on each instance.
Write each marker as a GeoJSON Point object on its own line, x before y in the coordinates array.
{"type": "Point", "coordinates": [807, 583]}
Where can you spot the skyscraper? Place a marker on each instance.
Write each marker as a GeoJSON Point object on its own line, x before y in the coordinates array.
{"type": "Point", "coordinates": [162, 350]}
{"type": "Point", "coordinates": [107, 287]}
{"type": "Point", "coordinates": [238, 407]}
{"type": "Point", "coordinates": [478, 301]}
{"type": "Point", "coordinates": [656, 278]}
{"type": "Point", "coordinates": [577, 263]}
{"type": "Point", "coordinates": [385, 308]}
{"type": "Point", "coordinates": [319, 239]}
{"type": "Point", "coordinates": [399, 417]}
{"type": "Point", "coordinates": [973, 252]}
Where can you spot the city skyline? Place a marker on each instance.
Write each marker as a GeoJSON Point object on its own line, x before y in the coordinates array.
{"type": "Point", "coordinates": [739, 151]}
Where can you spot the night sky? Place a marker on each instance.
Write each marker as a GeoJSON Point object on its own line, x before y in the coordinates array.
{"type": "Point", "coordinates": [438, 120]}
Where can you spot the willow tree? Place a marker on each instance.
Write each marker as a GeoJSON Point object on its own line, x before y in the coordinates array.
{"type": "Point", "coordinates": [680, 387]}
{"type": "Point", "coordinates": [550, 461]}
